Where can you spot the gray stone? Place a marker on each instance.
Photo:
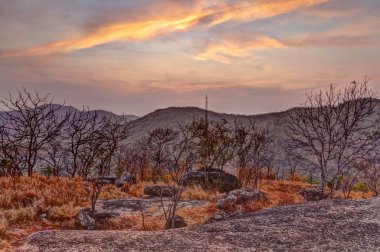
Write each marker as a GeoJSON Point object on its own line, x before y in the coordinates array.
{"type": "Point", "coordinates": [124, 178]}
{"type": "Point", "coordinates": [179, 222]}
{"type": "Point", "coordinates": [84, 220]}
{"type": "Point", "coordinates": [161, 191]}
{"type": "Point", "coordinates": [213, 179]}
{"type": "Point", "coordinates": [313, 194]}
{"type": "Point", "coordinates": [241, 197]}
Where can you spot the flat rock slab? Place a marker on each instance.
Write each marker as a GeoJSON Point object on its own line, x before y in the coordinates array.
{"type": "Point", "coordinates": [329, 225]}
{"type": "Point", "coordinates": [151, 205]}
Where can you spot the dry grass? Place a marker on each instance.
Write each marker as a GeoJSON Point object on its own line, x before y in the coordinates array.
{"type": "Point", "coordinates": [25, 199]}
{"type": "Point", "coordinates": [197, 193]}
{"type": "Point", "coordinates": [283, 192]}
{"type": "Point", "coordinates": [30, 204]}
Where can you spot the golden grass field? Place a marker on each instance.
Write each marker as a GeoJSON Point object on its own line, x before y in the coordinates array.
{"type": "Point", "coordinates": [23, 200]}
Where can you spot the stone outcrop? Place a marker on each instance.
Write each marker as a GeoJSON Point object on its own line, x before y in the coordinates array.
{"type": "Point", "coordinates": [222, 181]}
{"type": "Point", "coordinates": [179, 222]}
{"type": "Point", "coordinates": [160, 191]}
{"type": "Point", "coordinates": [241, 197]}
{"type": "Point", "coordinates": [329, 225]}
{"type": "Point", "coordinates": [124, 178]}
{"type": "Point", "coordinates": [313, 194]}
{"type": "Point", "coordinates": [84, 220]}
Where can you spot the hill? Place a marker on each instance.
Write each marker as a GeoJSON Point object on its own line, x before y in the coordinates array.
{"type": "Point", "coordinates": [175, 116]}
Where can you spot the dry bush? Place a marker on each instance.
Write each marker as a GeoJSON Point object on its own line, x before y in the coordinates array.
{"type": "Point", "coordinates": [284, 192]}
{"type": "Point", "coordinates": [5, 245]}
{"type": "Point", "coordinates": [252, 206]}
{"type": "Point", "coordinates": [23, 199]}
{"type": "Point", "coordinates": [64, 212]}
{"type": "Point", "coordinates": [197, 215]}
{"type": "Point", "coordinates": [19, 215]}
{"type": "Point", "coordinates": [353, 195]}
{"type": "Point", "coordinates": [113, 192]}
{"type": "Point", "coordinates": [3, 226]}
{"type": "Point", "coordinates": [197, 193]}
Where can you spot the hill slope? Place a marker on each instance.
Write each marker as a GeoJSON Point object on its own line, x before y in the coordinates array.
{"type": "Point", "coordinates": [339, 225]}
{"type": "Point", "coordinates": [173, 116]}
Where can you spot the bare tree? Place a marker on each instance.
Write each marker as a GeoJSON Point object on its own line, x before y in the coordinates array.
{"type": "Point", "coordinates": [55, 157]}
{"type": "Point", "coordinates": [32, 121]}
{"type": "Point", "coordinates": [371, 175]}
{"type": "Point", "coordinates": [101, 151]}
{"type": "Point", "coordinates": [253, 152]}
{"type": "Point", "coordinates": [214, 143]}
{"type": "Point", "coordinates": [80, 130]}
{"type": "Point", "coordinates": [181, 153]}
{"type": "Point", "coordinates": [158, 146]}
{"type": "Point", "coordinates": [333, 129]}
{"type": "Point", "coordinates": [11, 163]}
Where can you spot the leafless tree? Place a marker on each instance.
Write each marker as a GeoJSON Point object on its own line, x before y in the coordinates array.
{"type": "Point", "coordinates": [32, 121]}
{"type": "Point", "coordinates": [333, 129]}
{"type": "Point", "coordinates": [253, 151]}
{"type": "Point", "coordinates": [181, 154]}
{"type": "Point", "coordinates": [81, 129]}
{"type": "Point", "coordinates": [100, 152]}
{"type": "Point", "coordinates": [158, 146]}
{"type": "Point", "coordinates": [214, 143]}
{"type": "Point", "coordinates": [371, 175]}
{"type": "Point", "coordinates": [11, 163]}
{"type": "Point", "coordinates": [54, 156]}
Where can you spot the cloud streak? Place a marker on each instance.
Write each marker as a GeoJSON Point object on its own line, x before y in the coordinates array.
{"type": "Point", "coordinates": [201, 16]}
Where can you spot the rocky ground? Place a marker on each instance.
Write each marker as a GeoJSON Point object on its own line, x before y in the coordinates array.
{"type": "Point", "coordinates": [123, 207]}
{"type": "Point", "coordinates": [329, 225]}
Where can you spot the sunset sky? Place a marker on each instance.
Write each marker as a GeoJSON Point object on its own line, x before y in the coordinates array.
{"type": "Point", "coordinates": [135, 56]}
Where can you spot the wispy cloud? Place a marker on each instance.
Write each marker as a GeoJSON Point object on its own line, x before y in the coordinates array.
{"type": "Point", "coordinates": [203, 15]}
{"type": "Point", "coordinates": [224, 50]}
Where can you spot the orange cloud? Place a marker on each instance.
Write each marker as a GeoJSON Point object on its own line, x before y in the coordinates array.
{"type": "Point", "coordinates": [223, 51]}
{"type": "Point", "coordinates": [148, 29]}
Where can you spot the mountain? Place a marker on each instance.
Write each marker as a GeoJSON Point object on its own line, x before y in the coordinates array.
{"type": "Point", "coordinates": [175, 116]}
{"type": "Point", "coordinates": [62, 110]}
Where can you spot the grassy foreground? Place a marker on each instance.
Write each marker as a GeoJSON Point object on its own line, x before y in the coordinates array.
{"type": "Point", "coordinates": [30, 204]}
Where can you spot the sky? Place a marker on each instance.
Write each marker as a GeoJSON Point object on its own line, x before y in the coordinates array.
{"type": "Point", "coordinates": [135, 56]}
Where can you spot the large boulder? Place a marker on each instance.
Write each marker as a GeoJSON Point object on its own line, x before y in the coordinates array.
{"type": "Point", "coordinates": [241, 198]}
{"type": "Point", "coordinates": [84, 220]}
{"type": "Point", "coordinates": [214, 179]}
{"type": "Point", "coordinates": [179, 222]}
{"type": "Point", "coordinates": [313, 194]}
{"type": "Point", "coordinates": [161, 191]}
{"type": "Point", "coordinates": [124, 178]}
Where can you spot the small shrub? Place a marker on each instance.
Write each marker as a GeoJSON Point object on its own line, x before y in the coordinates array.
{"type": "Point", "coordinates": [64, 212]}
{"type": "Point", "coordinates": [3, 225]}
{"type": "Point", "coordinates": [360, 187]}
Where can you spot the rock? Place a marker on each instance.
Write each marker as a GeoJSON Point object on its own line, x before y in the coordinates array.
{"type": "Point", "coordinates": [161, 191]}
{"type": "Point", "coordinates": [42, 216]}
{"type": "Point", "coordinates": [246, 195]}
{"type": "Point", "coordinates": [328, 225]}
{"type": "Point", "coordinates": [222, 181]}
{"type": "Point", "coordinates": [222, 216]}
{"type": "Point", "coordinates": [85, 220]}
{"type": "Point", "coordinates": [312, 194]}
{"type": "Point", "coordinates": [227, 202]}
{"type": "Point", "coordinates": [125, 177]}
{"type": "Point", "coordinates": [104, 181]}
{"type": "Point", "coordinates": [179, 222]}
{"type": "Point", "coordinates": [241, 197]}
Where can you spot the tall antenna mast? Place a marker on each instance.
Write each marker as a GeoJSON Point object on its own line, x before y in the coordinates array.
{"type": "Point", "coordinates": [206, 113]}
